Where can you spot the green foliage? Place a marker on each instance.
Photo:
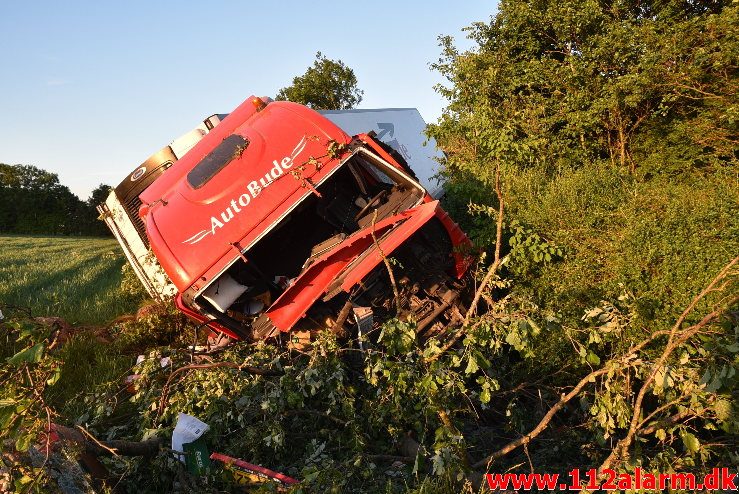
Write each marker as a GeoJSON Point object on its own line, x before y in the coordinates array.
{"type": "Point", "coordinates": [98, 195]}
{"type": "Point", "coordinates": [324, 419]}
{"type": "Point", "coordinates": [49, 372]}
{"type": "Point", "coordinates": [89, 367]}
{"type": "Point", "coordinates": [614, 131]}
{"type": "Point", "coordinates": [335, 408]}
{"type": "Point", "coordinates": [32, 201]}
{"type": "Point", "coordinates": [27, 370]}
{"type": "Point", "coordinates": [539, 97]}
{"type": "Point", "coordinates": [156, 324]}
{"type": "Point", "coordinates": [554, 85]}
{"type": "Point", "coordinates": [327, 85]}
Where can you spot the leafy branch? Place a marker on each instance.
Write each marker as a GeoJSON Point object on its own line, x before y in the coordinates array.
{"type": "Point", "coordinates": [676, 336]}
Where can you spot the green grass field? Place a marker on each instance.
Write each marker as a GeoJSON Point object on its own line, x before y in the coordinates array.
{"type": "Point", "coordinates": [76, 278]}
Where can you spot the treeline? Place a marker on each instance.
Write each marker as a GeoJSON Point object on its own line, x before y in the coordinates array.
{"type": "Point", "coordinates": [32, 201]}
{"type": "Point", "coordinates": [609, 131]}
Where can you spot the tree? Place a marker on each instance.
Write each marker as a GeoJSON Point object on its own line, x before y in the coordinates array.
{"type": "Point", "coordinates": [327, 85]}
{"type": "Point", "coordinates": [98, 195]}
{"type": "Point", "coordinates": [33, 201]}
{"type": "Point", "coordinates": [565, 82]}
{"type": "Point", "coordinates": [613, 127]}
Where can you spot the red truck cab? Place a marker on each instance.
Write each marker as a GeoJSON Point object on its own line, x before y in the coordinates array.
{"type": "Point", "coordinates": [278, 221]}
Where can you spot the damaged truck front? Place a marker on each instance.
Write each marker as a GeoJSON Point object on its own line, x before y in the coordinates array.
{"type": "Point", "coordinates": [273, 221]}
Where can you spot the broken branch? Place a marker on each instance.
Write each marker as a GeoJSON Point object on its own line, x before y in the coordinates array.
{"type": "Point", "coordinates": [675, 338]}
{"type": "Point", "coordinates": [231, 365]}
{"type": "Point", "coordinates": [544, 422]}
{"type": "Point", "coordinates": [387, 265]}
{"type": "Point", "coordinates": [496, 261]}
{"type": "Point", "coordinates": [123, 448]}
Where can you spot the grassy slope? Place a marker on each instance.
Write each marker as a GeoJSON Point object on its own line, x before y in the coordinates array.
{"type": "Point", "coordinates": [71, 277]}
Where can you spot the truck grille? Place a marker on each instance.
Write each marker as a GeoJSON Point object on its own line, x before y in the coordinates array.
{"type": "Point", "coordinates": [132, 208]}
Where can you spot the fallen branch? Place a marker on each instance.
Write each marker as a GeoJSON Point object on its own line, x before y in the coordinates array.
{"type": "Point", "coordinates": [666, 422]}
{"type": "Point", "coordinates": [96, 441]}
{"type": "Point", "coordinates": [387, 265]}
{"type": "Point", "coordinates": [315, 413]}
{"type": "Point", "coordinates": [676, 336]}
{"type": "Point", "coordinates": [544, 422]}
{"type": "Point", "coordinates": [461, 330]}
{"type": "Point", "coordinates": [123, 448]}
{"type": "Point", "coordinates": [496, 260]}
{"type": "Point", "coordinates": [230, 365]}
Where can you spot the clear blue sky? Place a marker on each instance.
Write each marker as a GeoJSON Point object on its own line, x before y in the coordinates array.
{"type": "Point", "coordinates": [90, 89]}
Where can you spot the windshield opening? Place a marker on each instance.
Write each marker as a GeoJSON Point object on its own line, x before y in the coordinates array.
{"type": "Point", "coordinates": [231, 148]}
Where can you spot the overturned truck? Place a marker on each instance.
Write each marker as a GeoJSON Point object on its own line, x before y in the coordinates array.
{"type": "Point", "coordinates": [272, 222]}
